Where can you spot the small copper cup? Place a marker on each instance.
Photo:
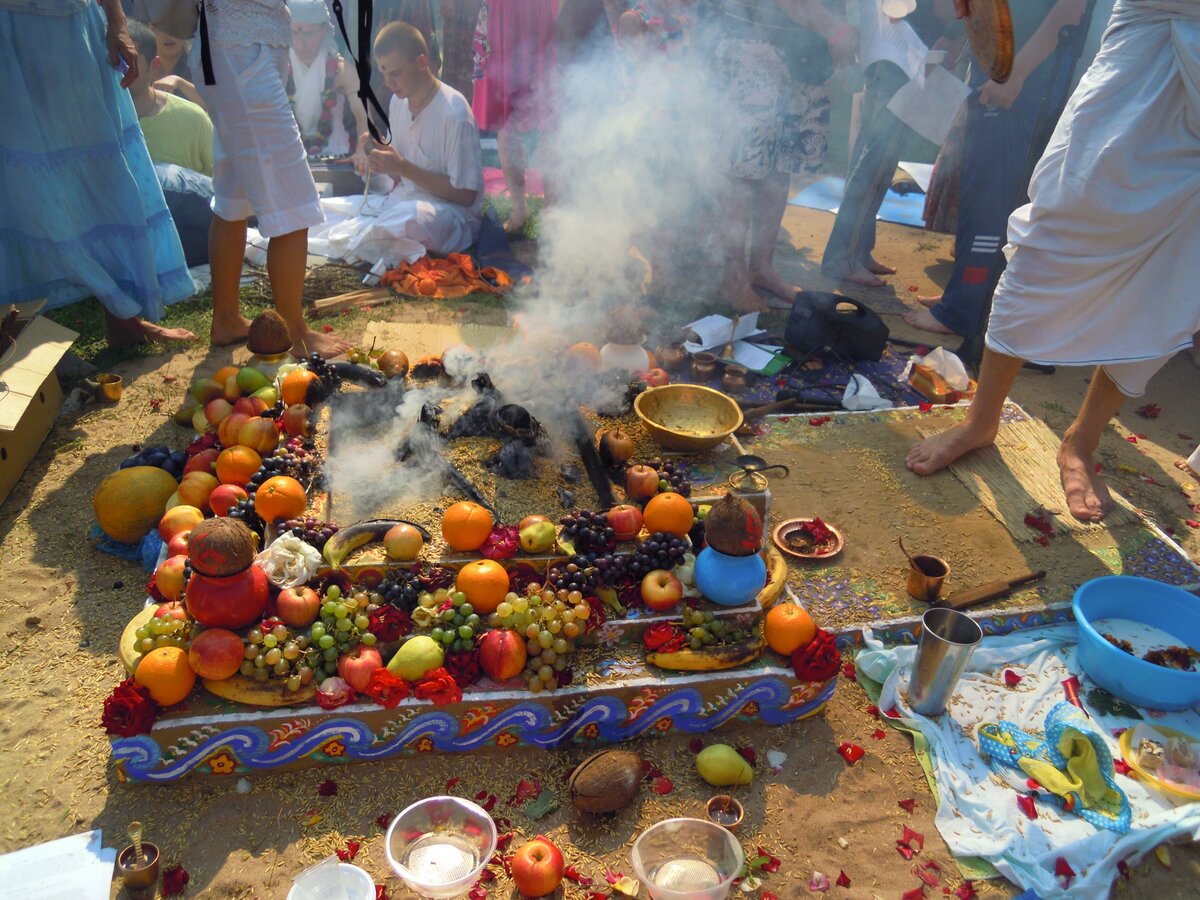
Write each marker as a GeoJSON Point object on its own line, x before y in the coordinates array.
{"type": "Point", "coordinates": [926, 574]}
{"type": "Point", "coordinates": [725, 811]}
{"type": "Point", "coordinates": [110, 387]}
{"type": "Point", "coordinates": [140, 879]}
{"type": "Point", "coordinates": [735, 379]}
{"type": "Point", "coordinates": [670, 356]}
{"type": "Point", "coordinates": [704, 367]}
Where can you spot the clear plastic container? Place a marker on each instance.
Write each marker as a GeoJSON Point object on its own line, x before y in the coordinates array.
{"type": "Point", "coordinates": [687, 859]}
{"type": "Point", "coordinates": [438, 846]}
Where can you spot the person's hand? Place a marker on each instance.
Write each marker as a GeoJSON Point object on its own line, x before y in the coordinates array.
{"type": "Point", "coordinates": [1003, 95]}
{"type": "Point", "coordinates": [387, 161]}
{"type": "Point", "coordinates": [359, 157]}
{"type": "Point", "coordinates": [843, 46]}
{"type": "Point", "coordinates": [120, 47]}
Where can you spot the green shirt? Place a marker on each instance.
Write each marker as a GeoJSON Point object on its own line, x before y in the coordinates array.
{"type": "Point", "coordinates": [180, 133]}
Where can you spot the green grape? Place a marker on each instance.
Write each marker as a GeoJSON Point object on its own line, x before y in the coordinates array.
{"type": "Point", "coordinates": [260, 662]}
{"type": "Point", "coordinates": [549, 656]}
{"type": "Point", "coordinates": [560, 645]}
{"type": "Point", "coordinates": [473, 620]}
{"type": "Point", "coordinates": [269, 641]}
{"type": "Point", "coordinates": [555, 626]}
{"type": "Point", "coordinates": [305, 673]}
{"type": "Point", "coordinates": [368, 639]}
{"type": "Point", "coordinates": [327, 608]}
{"type": "Point", "coordinates": [532, 647]}
{"type": "Point", "coordinates": [250, 652]}
{"type": "Point", "coordinates": [340, 612]}
{"type": "Point", "coordinates": [246, 668]}
{"type": "Point", "coordinates": [318, 631]}
{"type": "Point", "coordinates": [521, 604]}
{"type": "Point", "coordinates": [255, 636]}
{"type": "Point", "coordinates": [326, 641]}
{"type": "Point", "coordinates": [361, 622]}
{"type": "Point", "coordinates": [448, 637]}
{"type": "Point", "coordinates": [290, 650]}
{"type": "Point", "coordinates": [281, 667]}
{"type": "Point", "coordinates": [344, 625]}
{"type": "Point", "coordinates": [273, 656]}
{"type": "Point", "coordinates": [695, 643]}
{"type": "Point", "coordinates": [458, 598]}
{"type": "Point", "coordinates": [145, 645]}
{"type": "Point", "coordinates": [504, 610]}
{"type": "Point", "coordinates": [333, 593]}
{"type": "Point", "coordinates": [545, 640]}
{"type": "Point", "coordinates": [465, 632]}
{"type": "Point", "coordinates": [330, 655]}
{"type": "Point", "coordinates": [436, 634]}
{"type": "Point", "coordinates": [448, 615]}
{"type": "Point", "coordinates": [426, 601]}
{"type": "Point", "coordinates": [261, 675]}
{"type": "Point", "coordinates": [546, 673]}
{"type": "Point", "coordinates": [162, 641]}
{"type": "Point", "coordinates": [142, 633]}
{"type": "Point", "coordinates": [293, 683]}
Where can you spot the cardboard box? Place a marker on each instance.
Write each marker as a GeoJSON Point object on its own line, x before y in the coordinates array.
{"type": "Point", "coordinates": [30, 395]}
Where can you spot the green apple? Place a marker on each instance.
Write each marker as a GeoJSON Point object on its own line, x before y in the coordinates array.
{"type": "Point", "coordinates": [267, 395]}
{"type": "Point", "coordinates": [249, 379]}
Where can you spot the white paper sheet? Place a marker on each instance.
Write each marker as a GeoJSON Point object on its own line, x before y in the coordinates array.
{"type": "Point", "coordinates": [922, 173]}
{"type": "Point", "coordinates": [930, 109]}
{"type": "Point", "coordinates": [714, 331]}
{"type": "Point", "coordinates": [72, 868]}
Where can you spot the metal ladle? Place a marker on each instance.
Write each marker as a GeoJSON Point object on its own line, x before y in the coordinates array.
{"type": "Point", "coordinates": [751, 463]}
{"type": "Point", "coordinates": [134, 830]}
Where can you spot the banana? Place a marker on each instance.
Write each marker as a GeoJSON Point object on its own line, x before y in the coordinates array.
{"type": "Point", "coordinates": [346, 540]}
{"type": "Point", "coordinates": [719, 656]}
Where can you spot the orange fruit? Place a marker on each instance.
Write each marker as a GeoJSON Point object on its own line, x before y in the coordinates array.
{"type": "Point", "coordinates": [466, 525]}
{"type": "Point", "coordinates": [224, 373]}
{"type": "Point", "coordinates": [237, 465]}
{"type": "Point", "coordinates": [788, 627]}
{"type": "Point", "coordinates": [280, 497]}
{"type": "Point", "coordinates": [584, 355]}
{"type": "Point", "coordinates": [485, 582]}
{"type": "Point", "coordinates": [165, 673]}
{"type": "Point", "coordinates": [295, 386]}
{"type": "Point", "coordinates": [670, 512]}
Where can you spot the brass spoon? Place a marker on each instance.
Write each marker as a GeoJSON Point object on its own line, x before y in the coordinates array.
{"type": "Point", "coordinates": [134, 830]}
{"type": "Point", "coordinates": [911, 562]}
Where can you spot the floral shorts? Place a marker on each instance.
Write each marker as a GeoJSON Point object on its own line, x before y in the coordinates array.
{"type": "Point", "coordinates": [775, 123]}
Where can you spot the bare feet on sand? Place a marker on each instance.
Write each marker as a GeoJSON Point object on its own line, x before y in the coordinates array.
{"type": "Point", "coordinates": [124, 332]}
{"type": "Point", "coordinates": [772, 282]}
{"type": "Point", "coordinates": [1088, 498]}
{"type": "Point", "coordinates": [924, 320]}
{"type": "Point", "coordinates": [515, 223]}
{"type": "Point", "coordinates": [875, 266]}
{"type": "Point", "coordinates": [935, 453]}
{"type": "Point", "coordinates": [231, 330]}
{"type": "Point", "coordinates": [745, 300]}
{"type": "Point", "coordinates": [327, 345]}
{"type": "Point", "coordinates": [929, 300]}
{"type": "Point", "coordinates": [863, 276]}
{"type": "Point", "coordinates": [1182, 466]}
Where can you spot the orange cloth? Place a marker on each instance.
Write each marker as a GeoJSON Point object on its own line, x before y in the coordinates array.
{"type": "Point", "coordinates": [454, 276]}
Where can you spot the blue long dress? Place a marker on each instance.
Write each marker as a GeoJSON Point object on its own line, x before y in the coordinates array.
{"type": "Point", "coordinates": [81, 210]}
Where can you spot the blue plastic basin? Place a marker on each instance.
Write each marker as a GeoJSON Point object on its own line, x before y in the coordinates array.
{"type": "Point", "coordinates": [1132, 679]}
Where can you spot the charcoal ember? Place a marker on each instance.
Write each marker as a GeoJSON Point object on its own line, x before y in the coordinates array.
{"type": "Point", "coordinates": [476, 421]}
{"type": "Point", "coordinates": [566, 498]}
{"type": "Point", "coordinates": [513, 460]}
{"type": "Point", "coordinates": [513, 420]}
{"type": "Point", "coordinates": [571, 474]}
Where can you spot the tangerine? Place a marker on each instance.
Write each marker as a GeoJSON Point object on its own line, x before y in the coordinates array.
{"type": "Point", "coordinates": [295, 386]}
{"type": "Point", "coordinates": [670, 512]}
{"type": "Point", "coordinates": [485, 582]}
{"type": "Point", "coordinates": [280, 497]}
{"type": "Point", "coordinates": [224, 373]}
{"type": "Point", "coordinates": [237, 465]}
{"type": "Point", "coordinates": [788, 627]}
{"type": "Point", "coordinates": [466, 525]}
{"type": "Point", "coordinates": [165, 673]}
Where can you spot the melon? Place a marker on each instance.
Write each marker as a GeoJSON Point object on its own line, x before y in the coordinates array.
{"type": "Point", "coordinates": [129, 502]}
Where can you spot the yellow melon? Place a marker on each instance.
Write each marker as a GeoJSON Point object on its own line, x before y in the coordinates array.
{"type": "Point", "coordinates": [129, 502]}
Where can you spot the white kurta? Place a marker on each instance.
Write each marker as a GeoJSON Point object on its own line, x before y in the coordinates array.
{"type": "Point", "coordinates": [1102, 265]}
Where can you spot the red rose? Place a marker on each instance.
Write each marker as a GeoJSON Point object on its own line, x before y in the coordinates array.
{"type": "Point", "coordinates": [819, 660]}
{"type": "Point", "coordinates": [463, 666]}
{"type": "Point", "coordinates": [334, 692]}
{"type": "Point", "coordinates": [386, 689]}
{"type": "Point", "coordinates": [502, 543]}
{"type": "Point", "coordinates": [389, 623]}
{"type": "Point", "coordinates": [664, 638]}
{"type": "Point", "coordinates": [439, 687]}
{"type": "Point", "coordinates": [174, 879]}
{"type": "Point", "coordinates": [128, 710]}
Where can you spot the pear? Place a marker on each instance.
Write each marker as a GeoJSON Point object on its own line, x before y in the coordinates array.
{"type": "Point", "coordinates": [249, 380]}
{"type": "Point", "coordinates": [415, 657]}
{"type": "Point", "coordinates": [720, 765]}
{"type": "Point", "coordinates": [538, 537]}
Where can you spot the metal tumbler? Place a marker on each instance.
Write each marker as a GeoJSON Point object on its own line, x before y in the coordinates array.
{"type": "Point", "coordinates": [948, 638]}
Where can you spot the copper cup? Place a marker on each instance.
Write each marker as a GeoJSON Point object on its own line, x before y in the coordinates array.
{"type": "Point", "coordinates": [725, 811]}
{"type": "Point", "coordinates": [926, 574]}
{"type": "Point", "coordinates": [670, 356]}
{"type": "Point", "coordinates": [140, 878]}
{"type": "Point", "coordinates": [735, 379]}
{"type": "Point", "coordinates": [704, 367]}
{"type": "Point", "coordinates": [110, 387]}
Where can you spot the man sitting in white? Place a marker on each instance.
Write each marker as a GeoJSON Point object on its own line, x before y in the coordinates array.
{"type": "Point", "coordinates": [434, 160]}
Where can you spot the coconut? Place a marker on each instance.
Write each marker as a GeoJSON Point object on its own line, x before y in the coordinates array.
{"type": "Point", "coordinates": [221, 546]}
{"type": "Point", "coordinates": [605, 781]}
{"type": "Point", "coordinates": [269, 334]}
{"type": "Point", "coordinates": [734, 527]}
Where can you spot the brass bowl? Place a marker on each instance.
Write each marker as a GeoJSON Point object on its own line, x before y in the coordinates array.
{"type": "Point", "coordinates": [688, 417]}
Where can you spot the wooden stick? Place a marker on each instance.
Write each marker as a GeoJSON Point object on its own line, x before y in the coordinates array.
{"type": "Point", "coordinates": [330, 306]}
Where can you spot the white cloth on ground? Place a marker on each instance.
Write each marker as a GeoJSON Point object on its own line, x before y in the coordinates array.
{"type": "Point", "coordinates": [409, 221]}
{"type": "Point", "coordinates": [308, 104]}
{"type": "Point", "coordinates": [1100, 268]}
{"type": "Point", "coordinates": [977, 809]}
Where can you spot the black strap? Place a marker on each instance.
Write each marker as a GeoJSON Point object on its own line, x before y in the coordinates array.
{"type": "Point", "coordinates": [205, 49]}
{"type": "Point", "coordinates": [362, 65]}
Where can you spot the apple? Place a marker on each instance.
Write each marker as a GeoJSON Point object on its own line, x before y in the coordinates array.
{"type": "Point", "coordinates": [626, 521]}
{"type": "Point", "coordinates": [502, 654]}
{"type": "Point", "coordinates": [204, 461]}
{"type": "Point", "coordinates": [178, 544]}
{"type": "Point", "coordinates": [177, 519]}
{"type": "Point", "coordinates": [530, 520]}
{"type": "Point", "coordinates": [224, 497]}
{"type": "Point", "coordinates": [537, 867]}
{"type": "Point", "coordinates": [231, 391]}
{"type": "Point", "coordinates": [538, 537]}
{"type": "Point", "coordinates": [206, 389]}
{"type": "Point", "coordinates": [216, 410]}
{"type": "Point", "coordinates": [615, 447]}
{"type": "Point", "coordinates": [259, 434]}
{"type": "Point", "coordinates": [215, 654]}
{"type": "Point", "coordinates": [196, 488]}
{"type": "Point", "coordinates": [355, 667]}
{"type": "Point", "coordinates": [227, 431]}
{"type": "Point", "coordinates": [295, 420]}
{"type": "Point", "coordinates": [641, 482]}
{"type": "Point", "coordinates": [172, 610]}
{"type": "Point", "coordinates": [168, 577]}
{"type": "Point", "coordinates": [298, 606]}
{"type": "Point", "coordinates": [403, 542]}
{"type": "Point", "coordinates": [661, 590]}
{"type": "Point", "coordinates": [250, 406]}
{"type": "Point", "coordinates": [655, 377]}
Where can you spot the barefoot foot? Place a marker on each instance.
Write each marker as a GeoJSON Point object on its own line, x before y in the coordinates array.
{"type": "Point", "coordinates": [772, 282]}
{"type": "Point", "coordinates": [1182, 466]}
{"type": "Point", "coordinates": [936, 452]}
{"type": "Point", "coordinates": [515, 223]}
{"type": "Point", "coordinates": [878, 268]}
{"type": "Point", "coordinates": [326, 345]}
{"type": "Point", "coordinates": [929, 300]}
{"type": "Point", "coordinates": [126, 332]}
{"type": "Point", "coordinates": [1087, 495]}
{"type": "Point", "coordinates": [862, 276]}
{"type": "Point", "coordinates": [925, 321]}
{"type": "Point", "coordinates": [232, 330]}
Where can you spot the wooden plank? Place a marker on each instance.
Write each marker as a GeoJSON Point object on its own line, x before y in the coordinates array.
{"type": "Point", "coordinates": [329, 306]}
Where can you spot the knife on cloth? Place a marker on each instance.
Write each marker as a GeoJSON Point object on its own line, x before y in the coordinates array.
{"type": "Point", "coordinates": [989, 591]}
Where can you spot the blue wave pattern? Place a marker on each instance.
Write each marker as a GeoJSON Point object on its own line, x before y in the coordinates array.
{"type": "Point", "coordinates": [530, 722]}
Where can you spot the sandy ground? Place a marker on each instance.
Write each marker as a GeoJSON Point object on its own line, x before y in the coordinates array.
{"type": "Point", "coordinates": [65, 604]}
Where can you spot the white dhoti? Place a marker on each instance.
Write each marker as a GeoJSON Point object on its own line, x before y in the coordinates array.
{"type": "Point", "coordinates": [1102, 266]}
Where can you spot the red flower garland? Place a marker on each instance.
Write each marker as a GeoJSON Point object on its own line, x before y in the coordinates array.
{"type": "Point", "coordinates": [329, 94]}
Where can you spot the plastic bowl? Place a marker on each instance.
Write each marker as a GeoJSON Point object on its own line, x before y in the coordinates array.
{"type": "Point", "coordinates": [687, 859]}
{"type": "Point", "coordinates": [355, 882]}
{"type": "Point", "coordinates": [1122, 674]}
{"type": "Point", "coordinates": [438, 846]}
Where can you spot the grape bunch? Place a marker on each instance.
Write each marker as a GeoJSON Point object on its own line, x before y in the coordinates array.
{"type": "Point", "coordinates": [344, 623]}
{"type": "Point", "coordinates": [163, 631]}
{"type": "Point", "coordinates": [672, 476]}
{"type": "Point", "coordinates": [401, 588]}
{"type": "Point", "coordinates": [579, 573]}
{"type": "Point", "coordinates": [454, 621]}
{"type": "Point", "coordinates": [589, 532]}
{"type": "Point", "coordinates": [704, 629]}
{"type": "Point", "coordinates": [661, 550]}
{"type": "Point", "coordinates": [171, 462]}
{"type": "Point", "coordinates": [275, 411]}
{"type": "Point", "coordinates": [271, 650]}
{"type": "Point", "coordinates": [550, 621]}
{"type": "Point", "coordinates": [244, 509]}
{"type": "Point", "coordinates": [312, 531]}
{"type": "Point", "coordinates": [293, 458]}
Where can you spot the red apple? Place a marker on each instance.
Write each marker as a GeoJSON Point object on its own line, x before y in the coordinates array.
{"type": "Point", "coordinates": [661, 590]}
{"type": "Point", "coordinates": [502, 654]}
{"type": "Point", "coordinates": [173, 609]}
{"type": "Point", "coordinates": [179, 518]}
{"type": "Point", "coordinates": [641, 482]}
{"type": "Point", "coordinates": [227, 431]}
{"type": "Point", "coordinates": [295, 420]}
{"type": "Point", "coordinates": [655, 377]}
{"type": "Point", "coordinates": [168, 577]}
{"type": "Point", "coordinates": [215, 653]}
{"type": "Point", "coordinates": [204, 461]}
{"type": "Point", "coordinates": [225, 496]}
{"type": "Point", "coordinates": [626, 521]}
{"type": "Point", "coordinates": [216, 410]}
{"type": "Point", "coordinates": [616, 447]}
{"type": "Point", "coordinates": [537, 867]}
{"type": "Point", "coordinates": [178, 544]}
{"type": "Point", "coordinates": [298, 607]}
{"type": "Point", "coordinates": [403, 542]}
{"type": "Point", "coordinates": [355, 667]}
{"type": "Point", "coordinates": [250, 406]}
